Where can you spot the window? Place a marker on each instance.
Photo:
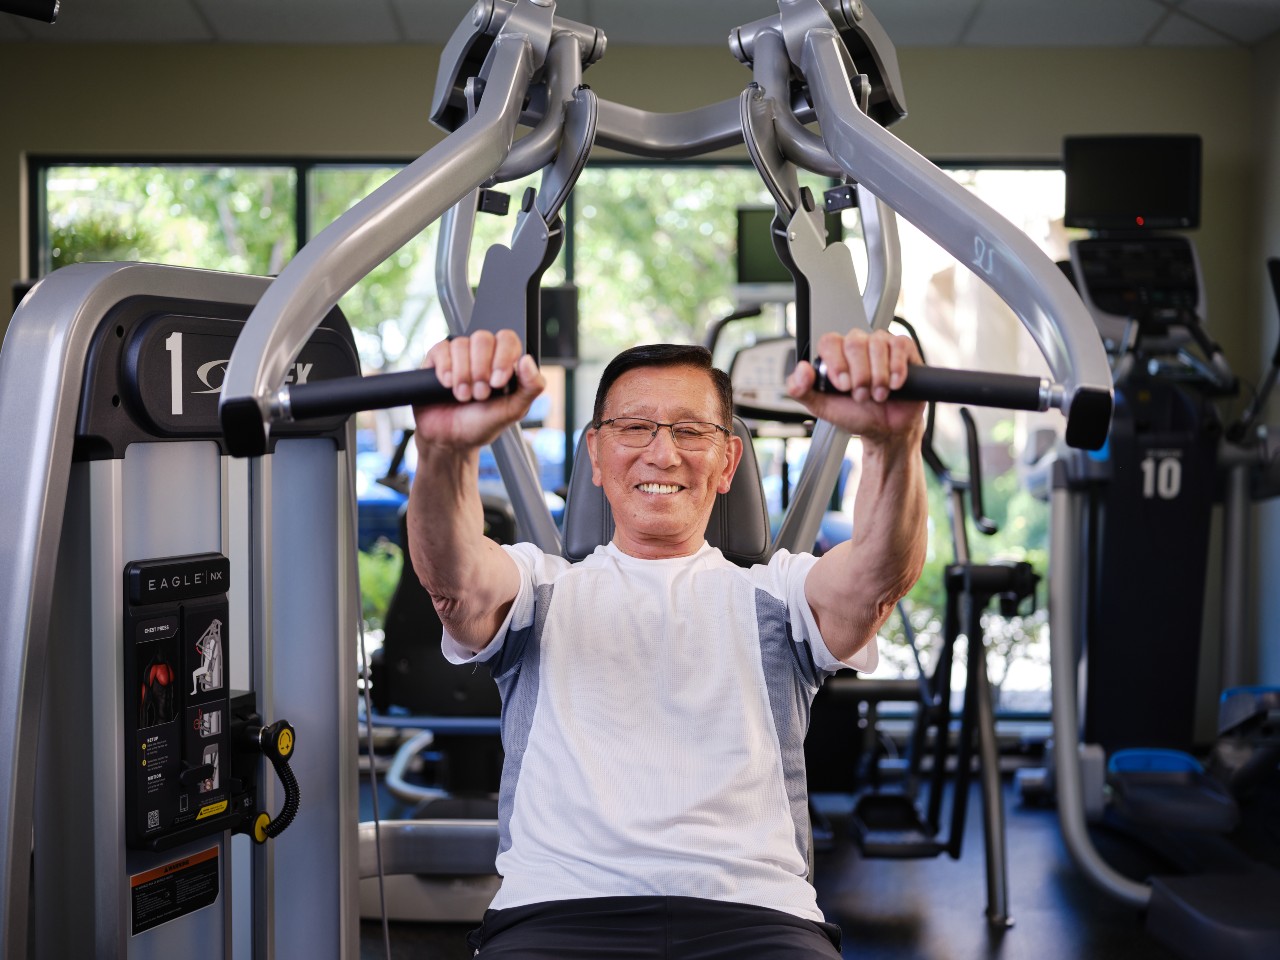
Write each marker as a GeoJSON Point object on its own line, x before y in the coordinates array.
{"type": "Point", "coordinates": [655, 250]}
{"type": "Point", "coordinates": [220, 217]}
{"type": "Point", "coordinates": [652, 251]}
{"type": "Point", "coordinates": [962, 323]}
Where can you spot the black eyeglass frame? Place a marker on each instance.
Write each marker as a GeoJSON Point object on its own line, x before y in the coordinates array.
{"type": "Point", "coordinates": [658, 424]}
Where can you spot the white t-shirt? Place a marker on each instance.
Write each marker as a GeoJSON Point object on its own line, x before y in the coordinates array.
{"type": "Point", "coordinates": [653, 720]}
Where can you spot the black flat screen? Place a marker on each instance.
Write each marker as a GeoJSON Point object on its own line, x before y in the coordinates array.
{"type": "Point", "coordinates": [1132, 183]}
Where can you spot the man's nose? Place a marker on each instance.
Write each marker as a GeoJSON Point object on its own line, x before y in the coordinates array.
{"type": "Point", "coordinates": [662, 449]}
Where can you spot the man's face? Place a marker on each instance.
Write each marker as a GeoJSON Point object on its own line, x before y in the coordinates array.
{"type": "Point", "coordinates": [662, 495]}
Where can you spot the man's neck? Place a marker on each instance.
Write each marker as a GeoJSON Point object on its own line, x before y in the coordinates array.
{"type": "Point", "coordinates": [658, 549]}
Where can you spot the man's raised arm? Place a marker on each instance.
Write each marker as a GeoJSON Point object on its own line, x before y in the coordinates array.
{"type": "Point", "coordinates": [852, 588]}
{"type": "Point", "coordinates": [471, 581]}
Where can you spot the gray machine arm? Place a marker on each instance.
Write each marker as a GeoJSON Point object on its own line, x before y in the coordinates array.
{"type": "Point", "coordinates": [359, 240]}
{"type": "Point", "coordinates": [457, 227]}
{"type": "Point", "coordinates": [822, 38]}
{"type": "Point", "coordinates": [538, 148]}
{"type": "Point", "coordinates": [511, 278]}
{"type": "Point", "coordinates": [1000, 254]}
{"type": "Point", "coordinates": [509, 44]}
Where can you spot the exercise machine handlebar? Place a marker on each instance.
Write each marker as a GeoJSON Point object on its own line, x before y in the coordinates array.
{"type": "Point", "coordinates": [347, 395]}
{"type": "Point", "coordinates": [1087, 424]}
{"type": "Point", "coordinates": [343, 396]}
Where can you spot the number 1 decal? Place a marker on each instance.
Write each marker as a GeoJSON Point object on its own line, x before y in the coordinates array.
{"type": "Point", "coordinates": [174, 345]}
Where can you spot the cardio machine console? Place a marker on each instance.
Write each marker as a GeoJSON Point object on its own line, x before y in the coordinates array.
{"type": "Point", "coordinates": [1152, 280]}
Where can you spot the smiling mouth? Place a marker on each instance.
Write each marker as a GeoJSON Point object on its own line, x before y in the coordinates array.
{"type": "Point", "coordinates": [659, 488]}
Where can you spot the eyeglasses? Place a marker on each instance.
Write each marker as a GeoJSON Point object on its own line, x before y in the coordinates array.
{"type": "Point", "coordinates": [639, 432]}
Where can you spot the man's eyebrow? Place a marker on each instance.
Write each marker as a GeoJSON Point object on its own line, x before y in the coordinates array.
{"type": "Point", "coordinates": [650, 413]}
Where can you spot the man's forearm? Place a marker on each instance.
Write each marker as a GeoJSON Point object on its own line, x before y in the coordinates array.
{"type": "Point", "coordinates": [853, 588]}
{"type": "Point", "coordinates": [890, 522]}
{"type": "Point", "coordinates": [470, 580]}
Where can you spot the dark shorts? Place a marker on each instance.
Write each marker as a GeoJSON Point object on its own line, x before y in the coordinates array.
{"type": "Point", "coordinates": [650, 928]}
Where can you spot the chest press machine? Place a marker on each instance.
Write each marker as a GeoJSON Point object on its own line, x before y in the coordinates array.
{"type": "Point", "coordinates": [139, 515]}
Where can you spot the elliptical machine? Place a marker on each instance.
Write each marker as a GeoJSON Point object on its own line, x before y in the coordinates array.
{"type": "Point", "coordinates": [1130, 540]}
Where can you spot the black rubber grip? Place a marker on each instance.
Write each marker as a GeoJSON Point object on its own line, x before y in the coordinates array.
{"type": "Point", "coordinates": [1088, 418]}
{"type": "Point", "coordinates": [942, 385]}
{"type": "Point", "coordinates": [346, 395]}
{"type": "Point", "coordinates": [44, 10]}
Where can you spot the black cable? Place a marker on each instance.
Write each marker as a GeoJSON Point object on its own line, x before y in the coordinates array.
{"type": "Point", "coordinates": [292, 796]}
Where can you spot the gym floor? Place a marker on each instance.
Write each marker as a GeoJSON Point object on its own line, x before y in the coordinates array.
{"type": "Point", "coordinates": [921, 909]}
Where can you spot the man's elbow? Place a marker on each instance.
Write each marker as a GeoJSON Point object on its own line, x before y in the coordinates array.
{"type": "Point", "coordinates": [849, 628]}
{"type": "Point", "coordinates": [469, 629]}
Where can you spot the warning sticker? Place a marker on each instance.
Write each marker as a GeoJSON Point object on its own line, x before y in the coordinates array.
{"type": "Point", "coordinates": [174, 890]}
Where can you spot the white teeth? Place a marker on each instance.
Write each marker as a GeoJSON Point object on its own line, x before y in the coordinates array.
{"type": "Point", "coordinates": [659, 488]}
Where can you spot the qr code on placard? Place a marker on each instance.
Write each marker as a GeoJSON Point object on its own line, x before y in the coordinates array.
{"type": "Point", "coordinates": [153, 819]}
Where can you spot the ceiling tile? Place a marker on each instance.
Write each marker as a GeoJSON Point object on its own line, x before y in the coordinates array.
{"type": "Point", "coordinates": [1181, 32]}
{"type": "Point", "coordinates": [1249, 21]}
{"type": "Point", "coordinates": [1055, 23]}
{"type": "Point", "coordinates": [680, 23]}
{"type": "Point", "coordinates": [923, 23]}
{"type": "Point", "coordinates": [139, 21]}
{"type": "Point", "coordinates": [301, 21]}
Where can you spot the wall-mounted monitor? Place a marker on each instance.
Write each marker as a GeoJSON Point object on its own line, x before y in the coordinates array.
{"type": "Point", "coordinates": [1132, 183]}
{"type": "Point", "coordinates": [761, 276]}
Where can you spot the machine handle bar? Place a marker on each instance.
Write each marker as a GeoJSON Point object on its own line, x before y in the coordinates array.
{"type": "Point", "coordinates": [1087, 423]}
{"type": "Point", "coordinates": [944, 385]}
{"type": "Point", "coordinates": [343, 396]}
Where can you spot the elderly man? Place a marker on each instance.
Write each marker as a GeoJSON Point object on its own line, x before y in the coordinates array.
{"type": "Point", "coordinates": [656, 696]}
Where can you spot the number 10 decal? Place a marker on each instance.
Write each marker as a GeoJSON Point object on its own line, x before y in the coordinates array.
{"type": "Point", "coordinates": [1161, 478]}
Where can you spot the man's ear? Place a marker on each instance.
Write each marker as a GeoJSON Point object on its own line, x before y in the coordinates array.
{"type": "Point", "coordinates": [593, 437]}
{"type": "Point", "coordinates": [733, 457]}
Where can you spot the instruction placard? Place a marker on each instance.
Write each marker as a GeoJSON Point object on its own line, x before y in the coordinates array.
{"type": "Point", "coordinates": [174, 890]}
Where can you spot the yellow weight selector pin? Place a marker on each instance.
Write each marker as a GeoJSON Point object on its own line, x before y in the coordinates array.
{"type": "Point", "coordinates": [260, 827]}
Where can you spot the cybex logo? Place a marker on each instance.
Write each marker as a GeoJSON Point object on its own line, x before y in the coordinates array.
{"type": "Point", "coordinates": [214, 372]}
{"type": "Point", "coordinates": [210, 374]}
